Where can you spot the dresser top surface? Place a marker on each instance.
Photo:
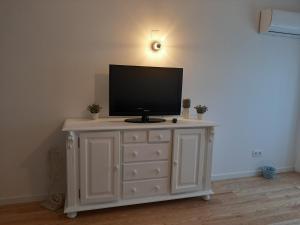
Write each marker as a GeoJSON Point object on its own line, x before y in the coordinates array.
{"type": "Point", "coordinates": [119, 124]}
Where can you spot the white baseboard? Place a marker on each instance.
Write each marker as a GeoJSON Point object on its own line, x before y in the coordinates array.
{"type": "Point", "coordinates": [252, 173]}
{"type": "Point", "coordinates": [22, 199]}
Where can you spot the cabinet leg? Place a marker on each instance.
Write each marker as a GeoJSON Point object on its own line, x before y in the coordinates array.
{"type": "Point", "coordinates": [72, 215]}
{"type": "Point", "coordinates": [206, 197]}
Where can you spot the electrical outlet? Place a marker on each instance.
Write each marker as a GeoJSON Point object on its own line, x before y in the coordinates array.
{"type": "Point", "coordinates": [257, 153]}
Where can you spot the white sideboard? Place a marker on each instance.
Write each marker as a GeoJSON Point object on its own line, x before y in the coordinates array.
{"type": "Point", "coordinates": [113, 163]}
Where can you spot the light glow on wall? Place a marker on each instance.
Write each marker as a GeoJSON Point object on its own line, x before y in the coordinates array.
{"type": "Point", "coordinates": [167, 54]}
{"type": "Point", "coordinates": [152, 41]}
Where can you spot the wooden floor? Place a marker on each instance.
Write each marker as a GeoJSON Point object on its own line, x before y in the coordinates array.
{"type": "Point", "coordinates": [251, 201]}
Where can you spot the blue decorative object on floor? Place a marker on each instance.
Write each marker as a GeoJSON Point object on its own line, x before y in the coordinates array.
{"type": "Point", "coordinates": [268, 172]}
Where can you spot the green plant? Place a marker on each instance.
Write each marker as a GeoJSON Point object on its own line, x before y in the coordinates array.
{"type": "Point", "coordinates": [186, 103]}
{"type": "Point", "coordinates": [201, 109]}
{"type": "Point", "coordinates": [94, 108]}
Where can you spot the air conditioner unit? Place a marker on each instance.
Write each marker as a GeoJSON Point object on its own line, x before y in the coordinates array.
{"type": "Point", "coordinates": [279, 22]}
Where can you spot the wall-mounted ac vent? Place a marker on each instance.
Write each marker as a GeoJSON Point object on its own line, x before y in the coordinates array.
{"type": "Point", "coordinates": [279, 22]}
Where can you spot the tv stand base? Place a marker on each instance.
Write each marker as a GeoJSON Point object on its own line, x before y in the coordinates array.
{"type": "Point", "coordinates": [142, 120]}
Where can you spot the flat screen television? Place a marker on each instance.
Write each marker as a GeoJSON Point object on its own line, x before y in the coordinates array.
{"type": "Point", "coordinates": [144, 91]}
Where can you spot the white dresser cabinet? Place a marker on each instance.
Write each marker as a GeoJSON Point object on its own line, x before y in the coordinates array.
{"type": "Point", "coordinates": [99, 157]}
{"type": "Point", "coordinates": [188, 160]}
{"type": "Point", "coordinates": [113, 163]}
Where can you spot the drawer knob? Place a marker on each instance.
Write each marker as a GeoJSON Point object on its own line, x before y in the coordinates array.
{"type": "Point", "coordinates": [134, 172]}
{"type": "Point", "coordinates": [133, 190]}
{"type": "Point", "coordinates": [160, 136]}
{"type": "Point", "coordinates": [175, 163]}
{"type": "Point", "coordinates": [158, 152]}
{"type": "Point", "coordinates": [134, 154]}
{"type": "Point", "coordinates": [157, 187]}
{"type": "Point", "coordinates": [157, 170]}
{"type": "Point", "coordinates": [134, 137]}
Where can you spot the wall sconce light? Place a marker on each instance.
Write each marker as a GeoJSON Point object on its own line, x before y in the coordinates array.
{"type": "Point", "coordinates": [155, 44]}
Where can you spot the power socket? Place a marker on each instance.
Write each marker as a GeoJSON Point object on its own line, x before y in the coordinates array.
{"type": "Point", "coordinates": [257, 153]}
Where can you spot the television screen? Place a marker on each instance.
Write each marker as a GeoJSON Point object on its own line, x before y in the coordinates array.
{"type": "Point", "coordinates": [133, 89]}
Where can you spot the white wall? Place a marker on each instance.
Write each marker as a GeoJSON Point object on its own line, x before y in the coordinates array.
{"type": "Point", "coordinates": [297, 157]}
{"type": "Point", "coordinates": [297, 161]}
{"type": "Point", "coordinates": [54, 62]}
{"type": "Point", "coordinates": [297, 164]}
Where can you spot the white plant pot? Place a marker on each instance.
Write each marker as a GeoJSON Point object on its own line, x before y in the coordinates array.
{"type": "Point", "coordinates": [186, 113]}
{"type": "Point", "coordinates": [95, 116]}
{"type": "Point", "coordinates": [200, 116]}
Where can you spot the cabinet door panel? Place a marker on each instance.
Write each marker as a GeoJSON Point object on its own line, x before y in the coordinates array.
{"type": "Point", "coordinates": [188, 160]}
{"type": "Point", "coordinates": [99, 167]}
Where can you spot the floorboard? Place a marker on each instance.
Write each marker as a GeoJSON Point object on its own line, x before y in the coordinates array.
{"type": "Point", "coordinates": [247, 201]}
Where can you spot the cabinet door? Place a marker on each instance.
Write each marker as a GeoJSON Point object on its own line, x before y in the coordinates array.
{"type": "Point", "coordinates": [188, 160]}
{"type": "Point", "coordinates": [99, 167]}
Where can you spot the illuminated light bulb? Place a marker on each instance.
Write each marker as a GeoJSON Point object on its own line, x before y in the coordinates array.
{"type": "Point", "coordinates": [156, 46]}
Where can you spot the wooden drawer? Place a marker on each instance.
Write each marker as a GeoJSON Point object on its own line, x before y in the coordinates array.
{"type": "Point", "coordinates": [147, 170]}
{"type": "Point", "coordinates": [159, 135]}
{"type": "Point", "coordinates": [146, 152]}
{"type": "Point", "coordinates": [135, 136]}
{"type": "Point", "coordinates": [135, 189]}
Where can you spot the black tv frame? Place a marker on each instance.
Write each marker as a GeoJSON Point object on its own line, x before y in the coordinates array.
{"type": "Point", "coordinates": [145, 113]}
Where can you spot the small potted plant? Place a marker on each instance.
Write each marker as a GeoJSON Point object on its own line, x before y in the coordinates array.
{"type": "Point", "coordinates": [94, 109]}
{"type": "Point", "coordinates": [186, 104]}
{"type": "Point", "coordinates": [201, 109]}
